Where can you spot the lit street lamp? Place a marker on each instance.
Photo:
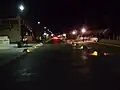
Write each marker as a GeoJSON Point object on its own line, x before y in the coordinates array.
{"type": "Point", "coordinates": [38, 22]}
{"type": "Point", "coordinates": [52, 34]}
{"type": "Point", "coordinates": [83, 30]}
{"type": "Point", "coordinates": [64, 35]}
{"type": "Point", "coordinates": [45, 27]}
{"type": "Point", "coordinates": [21, 7]}
{"type": "Point", "coordinates": [45, 34]}
{"type": "Point", "coordinates": [74, 32]}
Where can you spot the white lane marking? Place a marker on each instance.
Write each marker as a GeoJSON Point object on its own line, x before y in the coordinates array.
{"type": "Point", "coordinates": [109, 44]}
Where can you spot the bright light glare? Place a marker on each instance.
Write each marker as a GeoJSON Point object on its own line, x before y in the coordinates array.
{"type": "Point", "coordinates": [45, 33]}
{"type": "Point", "coordinates": [52, 34]}
{"type": "Point", "coordinates": [105, 54]}
{"type": "Point", "coordinates": [59, 36]}
{"type": "Point", "coordinates": [74, 32]}
{"type": "Point", "coordinates": [83, 30]}
{"type": "Point", "coordinates": [81, 47]}
{"type": "Point", "coordinates": [28, 50]}
{"type": "Point", "coordinates": [64, 35]}
{"type": "Point", "coordinates": [21, 7]}
{"type": "Point", "coordinates": [45, 27]}
{"type": "Point", "coordinates": [95, 53]}
{"type": "Point", "coordinates": [74, 44]}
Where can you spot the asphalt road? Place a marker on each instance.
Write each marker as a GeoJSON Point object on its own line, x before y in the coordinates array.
{"type": "Point", "coordinates": [62, 67]}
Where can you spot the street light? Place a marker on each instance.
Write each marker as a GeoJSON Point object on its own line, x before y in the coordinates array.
{"type": "Point", "coordinates": [52, 34]}
{"type": "Point", "coordinates": [45, 34]}
{"type": "Point", "coordinates": [74, 32]}
{"type": "Point", "coordinates": [38, 22]}
{"type": "Point", "coordinates": [21, 7]}
{"type": "Point", "coordinates": [83, 30]}
{"type": "Point", "coordinates": [48, 30]}
{"type": "Point", "coordinates": [45, 27]}
{"type": "Point", "coordinates": [64, 35]}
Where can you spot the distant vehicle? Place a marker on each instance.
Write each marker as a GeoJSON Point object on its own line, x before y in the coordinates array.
{"type": "Point", "coordinates": [55, 38]}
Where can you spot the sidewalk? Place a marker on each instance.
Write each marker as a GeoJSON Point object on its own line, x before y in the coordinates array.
{"type": "Point", "coordinates": [6, 55]}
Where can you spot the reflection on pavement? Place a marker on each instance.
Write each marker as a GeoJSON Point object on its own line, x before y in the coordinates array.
{"type": "Point", "coordinates": [23, 75]}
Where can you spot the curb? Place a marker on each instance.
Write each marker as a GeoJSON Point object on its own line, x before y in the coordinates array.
{"type": "Point", "coordinates": [24, 53]}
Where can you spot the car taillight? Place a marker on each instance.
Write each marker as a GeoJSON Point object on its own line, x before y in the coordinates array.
{"type": "Point", "coordinates": [55, 38]}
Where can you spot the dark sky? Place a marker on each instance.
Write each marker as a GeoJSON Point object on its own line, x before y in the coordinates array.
{"type": "Point", "coordinates": [62, 15]}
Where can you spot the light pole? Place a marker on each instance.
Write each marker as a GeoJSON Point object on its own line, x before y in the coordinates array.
{"type": "Point", "coordinates": [83, 30]}
{"type": "Point", "coordinates": [38, 27]}
{"type": "Point", "coordinates": [21, 9]}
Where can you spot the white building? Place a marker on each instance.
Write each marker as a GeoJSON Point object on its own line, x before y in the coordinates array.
{"type": "Point", "coordinates": [13, 28]}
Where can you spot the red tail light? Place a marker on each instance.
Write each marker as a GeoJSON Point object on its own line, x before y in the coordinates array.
{"type": "Point", "coordinates": [55, 37]}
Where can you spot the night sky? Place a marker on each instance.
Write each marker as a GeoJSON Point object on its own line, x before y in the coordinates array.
{"type": "Point", "coordinates": [64, 15]}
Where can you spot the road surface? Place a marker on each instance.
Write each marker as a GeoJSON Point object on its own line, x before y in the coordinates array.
{"type": "Point", "coordinates": [61, 67]}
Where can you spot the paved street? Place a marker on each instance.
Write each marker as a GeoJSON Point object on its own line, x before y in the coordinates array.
{"type": "Point", "coordinates": [61, 67]}
{"type": "Point", "coordinates": [7, 55]}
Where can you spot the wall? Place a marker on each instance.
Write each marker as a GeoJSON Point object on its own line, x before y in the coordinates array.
{"type": "Point", "coordinates": [11, 27]}
{"type": "Point", "coordinates": [13, 34]}
{"type": "Point", "coordinates": [4, 42]}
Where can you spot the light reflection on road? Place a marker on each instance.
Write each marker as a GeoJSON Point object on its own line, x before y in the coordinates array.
{"type": "Point", "coordinates": [23, 75]}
